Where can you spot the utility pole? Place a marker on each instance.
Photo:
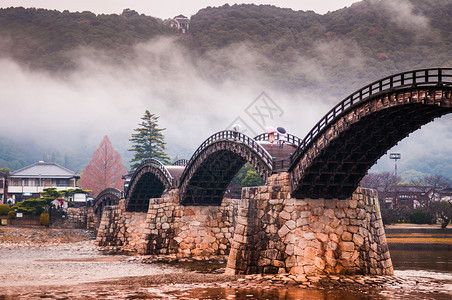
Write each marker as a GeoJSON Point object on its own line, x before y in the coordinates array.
{"type": "Point", "coordinates": [395, 157]}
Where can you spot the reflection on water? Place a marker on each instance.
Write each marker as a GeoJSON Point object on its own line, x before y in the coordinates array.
{"type": "Point", "coordinates": [419, 274]}
{"type": "Point", "coordinates": [434, 260]}
{"type": "Point", "coordinates": [271, 294]}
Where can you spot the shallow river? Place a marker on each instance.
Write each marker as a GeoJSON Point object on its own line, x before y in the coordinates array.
{"type": "Point", "coordinates": [74, 271]}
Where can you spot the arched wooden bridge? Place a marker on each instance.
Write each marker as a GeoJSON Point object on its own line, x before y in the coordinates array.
{"type": "Point", "coordinates": [328, 163]}
{"type": "Point", "coordinates": [107, 197]}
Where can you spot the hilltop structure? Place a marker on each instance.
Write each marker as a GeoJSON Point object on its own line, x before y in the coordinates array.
{"type": "Point", "coordinates": [181, 22]}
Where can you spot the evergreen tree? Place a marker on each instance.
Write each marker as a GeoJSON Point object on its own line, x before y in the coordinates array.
{"type": "Point", "coordinates": [148, 141]}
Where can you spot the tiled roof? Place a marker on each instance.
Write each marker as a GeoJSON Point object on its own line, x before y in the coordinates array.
{"type": "Point", "coordinates": [43, 170]}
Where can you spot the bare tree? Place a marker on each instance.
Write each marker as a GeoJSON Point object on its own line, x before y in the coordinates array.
{"type": "Point", "coordinates": [432, 185]}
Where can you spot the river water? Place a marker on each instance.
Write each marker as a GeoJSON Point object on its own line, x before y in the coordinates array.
{"type": "Point", "coordinates": [75, 271]}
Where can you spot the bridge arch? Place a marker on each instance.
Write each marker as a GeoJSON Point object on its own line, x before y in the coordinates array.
{"type": "Point", "coordinates": [107, 197]}
{"type": "Point", "coordinates": [215, 163]}
{"type": "Point", "coordinates": [348, 140]}
{"type": "Point", "coordinates": [149, 180]}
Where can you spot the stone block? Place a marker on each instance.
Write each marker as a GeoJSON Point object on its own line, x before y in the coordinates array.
{"type": "Point", "coordinates": [309, 253]}
{"type": "Point", "coordinates": [353, 229]}
{"type": "Point", "coordinates": [299, 251]}
{"type": "Point", "coordinates": [279, 264]}
{"type": "Point", "coordinates": [195, 223]}
{"type": "Point", "coordinates": [310, 270]}
{"type": "Point", "coordinates": [302, 221]}
{"type": "Point", "coordinates": [317, 226]}
{"type": "Point", "coordinates": [264, 262]}
{"type": "Point", "coordinates": [332, 245]}
{"type": "Point", "coordinates": [346, 255]}
{"type": "Point", "coordinates": [319, 263]}
{"type": "Point", "coordinates": [355, 256]}
{"type": "Point", "coordinates": [289, 249]}
{"type": "Point", "coordinates": [351, 214]}
{"type": "Point", "coordinates": [283, 231]}
{"type": "Point", "coordinates": [297, 270]}
{"type": "Point", "coordinates": [347, 246]}
{"type": "Point", "coordinates": [309, 236]}
{"type": "Point", "coordinates": [347, 236]}
{"type": "Point", "coordinates": [342, 204]}
{"type": "Point", "coordinates": [285, 215]}
{"type": "Point", "coordinates": [291, 224]}
{"type": "Point", "coordinates": [322, 237]}
{"type": "Point", "coordinates": [358, 240]}
{"type": "Point", "coordinates": [291, 239]}
{"type": "Point", "coordinates": [317, 211]}
{"type": "Point", "coordinates": [334, 237]}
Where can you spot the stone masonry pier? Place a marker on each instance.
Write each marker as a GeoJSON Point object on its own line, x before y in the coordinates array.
{"type": "Point", "coordinates": [170, 228]}
{"type": "Point", "coordinates": [266, 232]}
{"type": "Point", "coordinates": [279, 234]}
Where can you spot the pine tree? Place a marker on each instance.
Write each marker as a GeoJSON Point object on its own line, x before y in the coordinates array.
{"type": "Point", "coordinates": [148, 141]}
{"type": "Point", "coordinates": [104, 170]}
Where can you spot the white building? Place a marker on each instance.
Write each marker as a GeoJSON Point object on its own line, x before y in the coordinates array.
{"type": "Point", "coordinates": [2, 188]}
{"type": "Point", "coordinates": [30, 181]}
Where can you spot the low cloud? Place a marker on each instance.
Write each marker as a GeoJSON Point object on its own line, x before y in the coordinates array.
{"type": "Point", "coordinates": [107, 96]}
{"type": "Point", "coordinates": [194, 98]}
{"type": "Point", "coordinates": [402, 13]}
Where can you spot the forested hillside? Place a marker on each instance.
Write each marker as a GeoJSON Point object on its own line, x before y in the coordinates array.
{"type": "Point", "coordinates": [44, 38]}
{"type": "Point", "coordinates": [355, 42]}
{"type": "Point", "coordinates": [330, 55]}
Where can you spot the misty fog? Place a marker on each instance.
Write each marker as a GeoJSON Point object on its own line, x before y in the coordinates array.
{"type": "Point", "coordinates": [107, 96]}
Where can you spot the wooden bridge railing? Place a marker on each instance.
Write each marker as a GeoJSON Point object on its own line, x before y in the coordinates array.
{"type": "Point", "coordinates": [229, 135]}
{"type": "Point", "coordinates": [181, 162]}
{"type": "Point", "coordinates": [154, 163]}
{"type": "Point", "coordinates": [416, 78]}
{"type": "Point", "coordinates": [288, 138]}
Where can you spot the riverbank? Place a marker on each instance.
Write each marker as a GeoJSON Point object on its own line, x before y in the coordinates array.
{"type": "Point", "coordinates": [420, 237]}
{"type": "Point", "coordinates": [53, 267]}
{"type": "Point", "coordinates": [32, 236]}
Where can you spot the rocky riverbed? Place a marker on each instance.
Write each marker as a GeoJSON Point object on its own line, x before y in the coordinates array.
{"type": "Point", "coordinates": [40, 263]}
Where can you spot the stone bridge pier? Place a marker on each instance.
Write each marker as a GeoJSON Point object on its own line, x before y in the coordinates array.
{"type": "Point", "coordinates": [266, 231]}
{"type": "Point", "coordinates": [169, 228]}
{"type": "Point", "coordinates": [279, 234]}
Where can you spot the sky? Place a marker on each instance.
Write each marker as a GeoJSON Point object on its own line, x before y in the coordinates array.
{"type": "Point", "coordinates": [169, 8]}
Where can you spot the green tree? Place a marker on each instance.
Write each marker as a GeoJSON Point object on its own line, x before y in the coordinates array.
{"type": "Point", "coordinates": [148, 141]}
{"type": "Point", "coordinates": [5, 170]}
{"type": "Point", "coordinates": [51, 194]}
{"type": "Point", "coordinates": [247, 176]}
{"type": "Point", "coordinates": [33, 206]}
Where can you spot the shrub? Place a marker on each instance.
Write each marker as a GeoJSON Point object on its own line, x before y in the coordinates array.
{"type": "Point", "coordinates": [418, 217]}
{"type": "Point", "coordinates": [33, 206]}
{"type": "Point", "coordinates": [4, 209]}
{"type": "Point", "coordinates": [12, 214]}
{"type": "Point", "coordinates": [44, 219]}
{"type": "Point", "coordinates": [396, 215]}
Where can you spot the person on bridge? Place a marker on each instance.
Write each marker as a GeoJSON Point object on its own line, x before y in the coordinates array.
{"type": "Point", "coordinates": [281, 135]}
{"type": "Point", "coordinates": [271, 134]}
